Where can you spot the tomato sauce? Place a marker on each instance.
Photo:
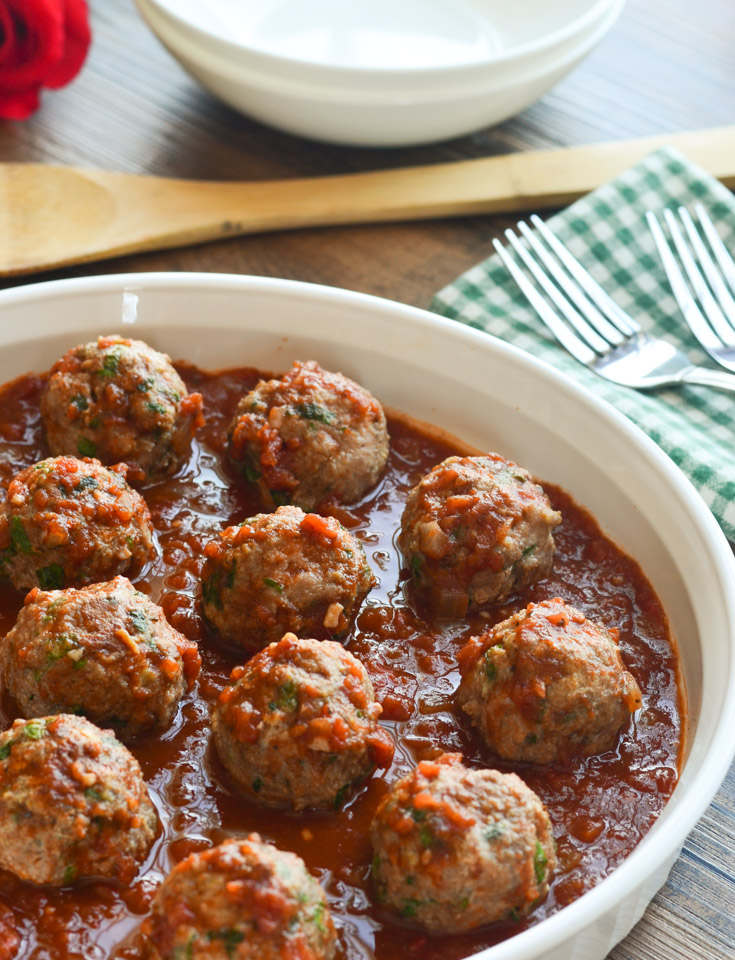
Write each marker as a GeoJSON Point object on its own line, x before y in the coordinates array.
{"type": "Point", "coordinates": [600, 807]}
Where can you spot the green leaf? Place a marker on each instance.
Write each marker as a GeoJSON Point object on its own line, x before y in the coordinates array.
{"type": "Point", "coordinates": [540, 862]}
{"type": "Point", "coordinates": [229, 936]}
{"type": "Point", "coordinates": [19, 542]}
{"type": "Point", "coordinates": [86, 447]}
{"type": "Point", "coordinates": [273, 584]}
{"type": "Point", "coordinates": [110, 365]}
{"type": "Point", "coordinates": [51, 577]}
{"type": "Point", "coordinates": [86, 483]}
{"type": "Point", "coordinates": [314, 411]}
{"type": "Point", "coordinates": [35, 729]}
{"type": "Point", "coordinates": [80, 402]}
{"type": "Point", "coordinates": [6, 748]}
{"type": "Point", "coordinates": [154, 407]}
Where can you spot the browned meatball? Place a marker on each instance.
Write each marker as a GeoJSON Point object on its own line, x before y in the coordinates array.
{"type": "Point", "coordinates": [284, 571]}
{"type": "Point", "coordinates": [309, 436]}
{"type": "Point", "coordinates": [73, 803]}
{"type": "Point", "coordinates": [299, 725]}
{"type": "Point", "coordinates": [242, 900]}
{"type": "Point", "coordinates": [120, 401]}
{"type": "Point", "coordinates": [546, 685]}
{"type": "Point", "coordinates": [456, 849]}
{"type": "Point", "coordinates": [105, 651]}
{"type": "Point", "coordinates": [67, 522]}
{"type": "Point", "coordinates": [474, 531]}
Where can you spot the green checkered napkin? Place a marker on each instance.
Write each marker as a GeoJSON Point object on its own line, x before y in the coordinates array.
{"type": "Point", "coordinates": [607, 232]}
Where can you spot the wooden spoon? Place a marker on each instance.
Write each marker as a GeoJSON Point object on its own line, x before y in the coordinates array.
{"type": "Point", "coordinates": [55, 216]}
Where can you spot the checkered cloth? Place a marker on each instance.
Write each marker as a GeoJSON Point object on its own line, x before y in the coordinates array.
{"type": "Point", "coordinates": [607, 232]}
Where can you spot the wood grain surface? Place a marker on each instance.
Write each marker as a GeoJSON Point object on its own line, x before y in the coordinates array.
{"type": "Point", "coordinates": [667, 65]}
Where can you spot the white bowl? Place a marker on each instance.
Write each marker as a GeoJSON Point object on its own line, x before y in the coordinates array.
{"type": "Point", "coordinates": [379, 74]}
{"type": "Point", "coordinates": [494, 397]}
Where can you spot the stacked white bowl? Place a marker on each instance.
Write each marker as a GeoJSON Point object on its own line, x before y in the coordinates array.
{"type": "Point", "coordinates": [379, 72]}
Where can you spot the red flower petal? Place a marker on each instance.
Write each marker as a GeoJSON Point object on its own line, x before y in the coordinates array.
{"type": "Point", "coordinates": [38, 46]}
{"type": "Point", "coordinates": [18, 105]}
{"type": "Point", "coordinates": [78, 38]}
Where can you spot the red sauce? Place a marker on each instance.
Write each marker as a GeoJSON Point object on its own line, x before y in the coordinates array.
{"type": "Point", "coordinates": [600, 807]}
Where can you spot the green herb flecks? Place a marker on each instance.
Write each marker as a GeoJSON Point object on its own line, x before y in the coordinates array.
{"type": "Point", "coordinates": [51, 577]}
{"type": "Point", "coordinates": [540, 863]}
{"type": "Point", "coordinates": [273, 584]}
{"type": "Point", "coordinates": [154, 407]}
{"type": "Point", "coordinates": [19, 542]}
{"type": "Point", "coordinates": [80, 401]}
{"type": "Point", "coordinates": [229, 936]}
{"type": "Point", "coordinates": [110, 365]}
{"type": "Point", "coordinates": [86, 447]}
{"type": "Point", "coordinates": [314, 411]}
{"type": "Point", "coordinates": [86, 483]}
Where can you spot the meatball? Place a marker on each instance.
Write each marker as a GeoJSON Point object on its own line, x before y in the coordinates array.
{"type": "Point", "coordinates": [73, 803]}
{"type": "Point", "coordinates": [299, 725]}
{"type": "Point", "coordinates": [474, 531]}
{"type": "Point", "coordinates": [287, 571]}
{"type": "Point", "coordinates": [456, 848]}
{"type": "Point", "coordinates": [310, 436]}
{"type": "Point", "coordinates": [105, 651]}
{"type": "Point", "coordinates": [241, 900]}
{"type": "Point", "coordinates": [68, 522]}
{"type": "Point", "coordinates": [120, 401]}
{"type": "Point", "coordinates": [547, 684]}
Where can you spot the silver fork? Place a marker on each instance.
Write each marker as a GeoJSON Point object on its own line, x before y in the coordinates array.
{"type": "Point", "coordinates": [710, 285]}
{"type": "Point", "coordinates": [592, 327]}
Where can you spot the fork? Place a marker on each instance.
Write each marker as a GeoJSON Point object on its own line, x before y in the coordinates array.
{"type": "Point", "coordinates": [588, 322]}
{"type": "Point", "coordinates": [709, 283]}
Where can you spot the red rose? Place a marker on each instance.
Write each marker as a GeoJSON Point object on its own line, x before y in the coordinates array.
{"type": "Point", "coordinates": [43, 43]}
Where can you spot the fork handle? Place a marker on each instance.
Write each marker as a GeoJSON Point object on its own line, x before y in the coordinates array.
{"type": "Point", "coordinates": [701, 376]}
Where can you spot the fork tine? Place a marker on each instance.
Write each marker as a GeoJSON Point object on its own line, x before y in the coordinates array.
{"type": "Point", "coordinates": [575, 293]}
{"type": "Point", "coordinates": [590, 336]}
{"type": "Point", "coordinates": [710, 308]}
{"type": "Point", "coordinates": [603, 301]}
{"type": "Point", "coordinates": [692, 314]}
{"type": "Point", "coordinates": [727, 264]}
{"type": "Point", "coordinates": [717, 285]}
{"type": "Point", "coordinates": [568, 339]}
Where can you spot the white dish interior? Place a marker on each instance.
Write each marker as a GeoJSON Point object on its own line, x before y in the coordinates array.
{"type": "Point", "coordinates": [493, 397]}
{"type": "Point", "coordinates": [380, 34]}
{"type": "Point", "coordinates": [379, 73]}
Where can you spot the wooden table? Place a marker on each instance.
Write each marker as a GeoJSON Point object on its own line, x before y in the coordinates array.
{"type": "Point", "coordinates": [667, 65]}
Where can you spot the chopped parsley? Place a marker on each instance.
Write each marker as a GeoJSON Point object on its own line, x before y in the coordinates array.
{"type": "Point", "coordinates": [86, 483]}
{"type": "Point", "coordinates": [154, 407]}
{"type": "Point", "coordinates": [314, 411]}
{"type": "Point", "coordinates": [540, 861]}
{"type": "Point", "coordinates": [273, 584]}
{"type": "Point", "coordinates": [51, 577]}
{"type": "Point", "coordinates": [229, 936]}
{"type": "Point", "coordinates": [110, 365]}
{"type": "Point", "coordinates": [80, 401]}
{"type": "Point", "coordinates": [19, 542]}
{"type": "Point", "coordinates": [86, 447]}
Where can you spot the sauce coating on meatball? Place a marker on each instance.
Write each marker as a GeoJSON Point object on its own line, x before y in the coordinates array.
{"type": "Point", "coordinates": [310, 436]}
{"type": "Point", "coordinates": [474, 531]}
{"type": "Point", "coordinates": [120, 401]}
{"type": "Point", "coordinates": [241, 900]}
{"type": "Point", "coordinates": [288, 571]}
{"type": "Point", "coordinates": [299, 725]}
{"type": "Point", "coordinates": [456, 849]}
{"type": "Point", "coordinates": [105, 651]}
{"type": "Point", "coordinates": [67, 522]}
{"type": "Point", "coordinates": [547, 684]}
{"type": "Point", "coordinates": [73, 803]}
